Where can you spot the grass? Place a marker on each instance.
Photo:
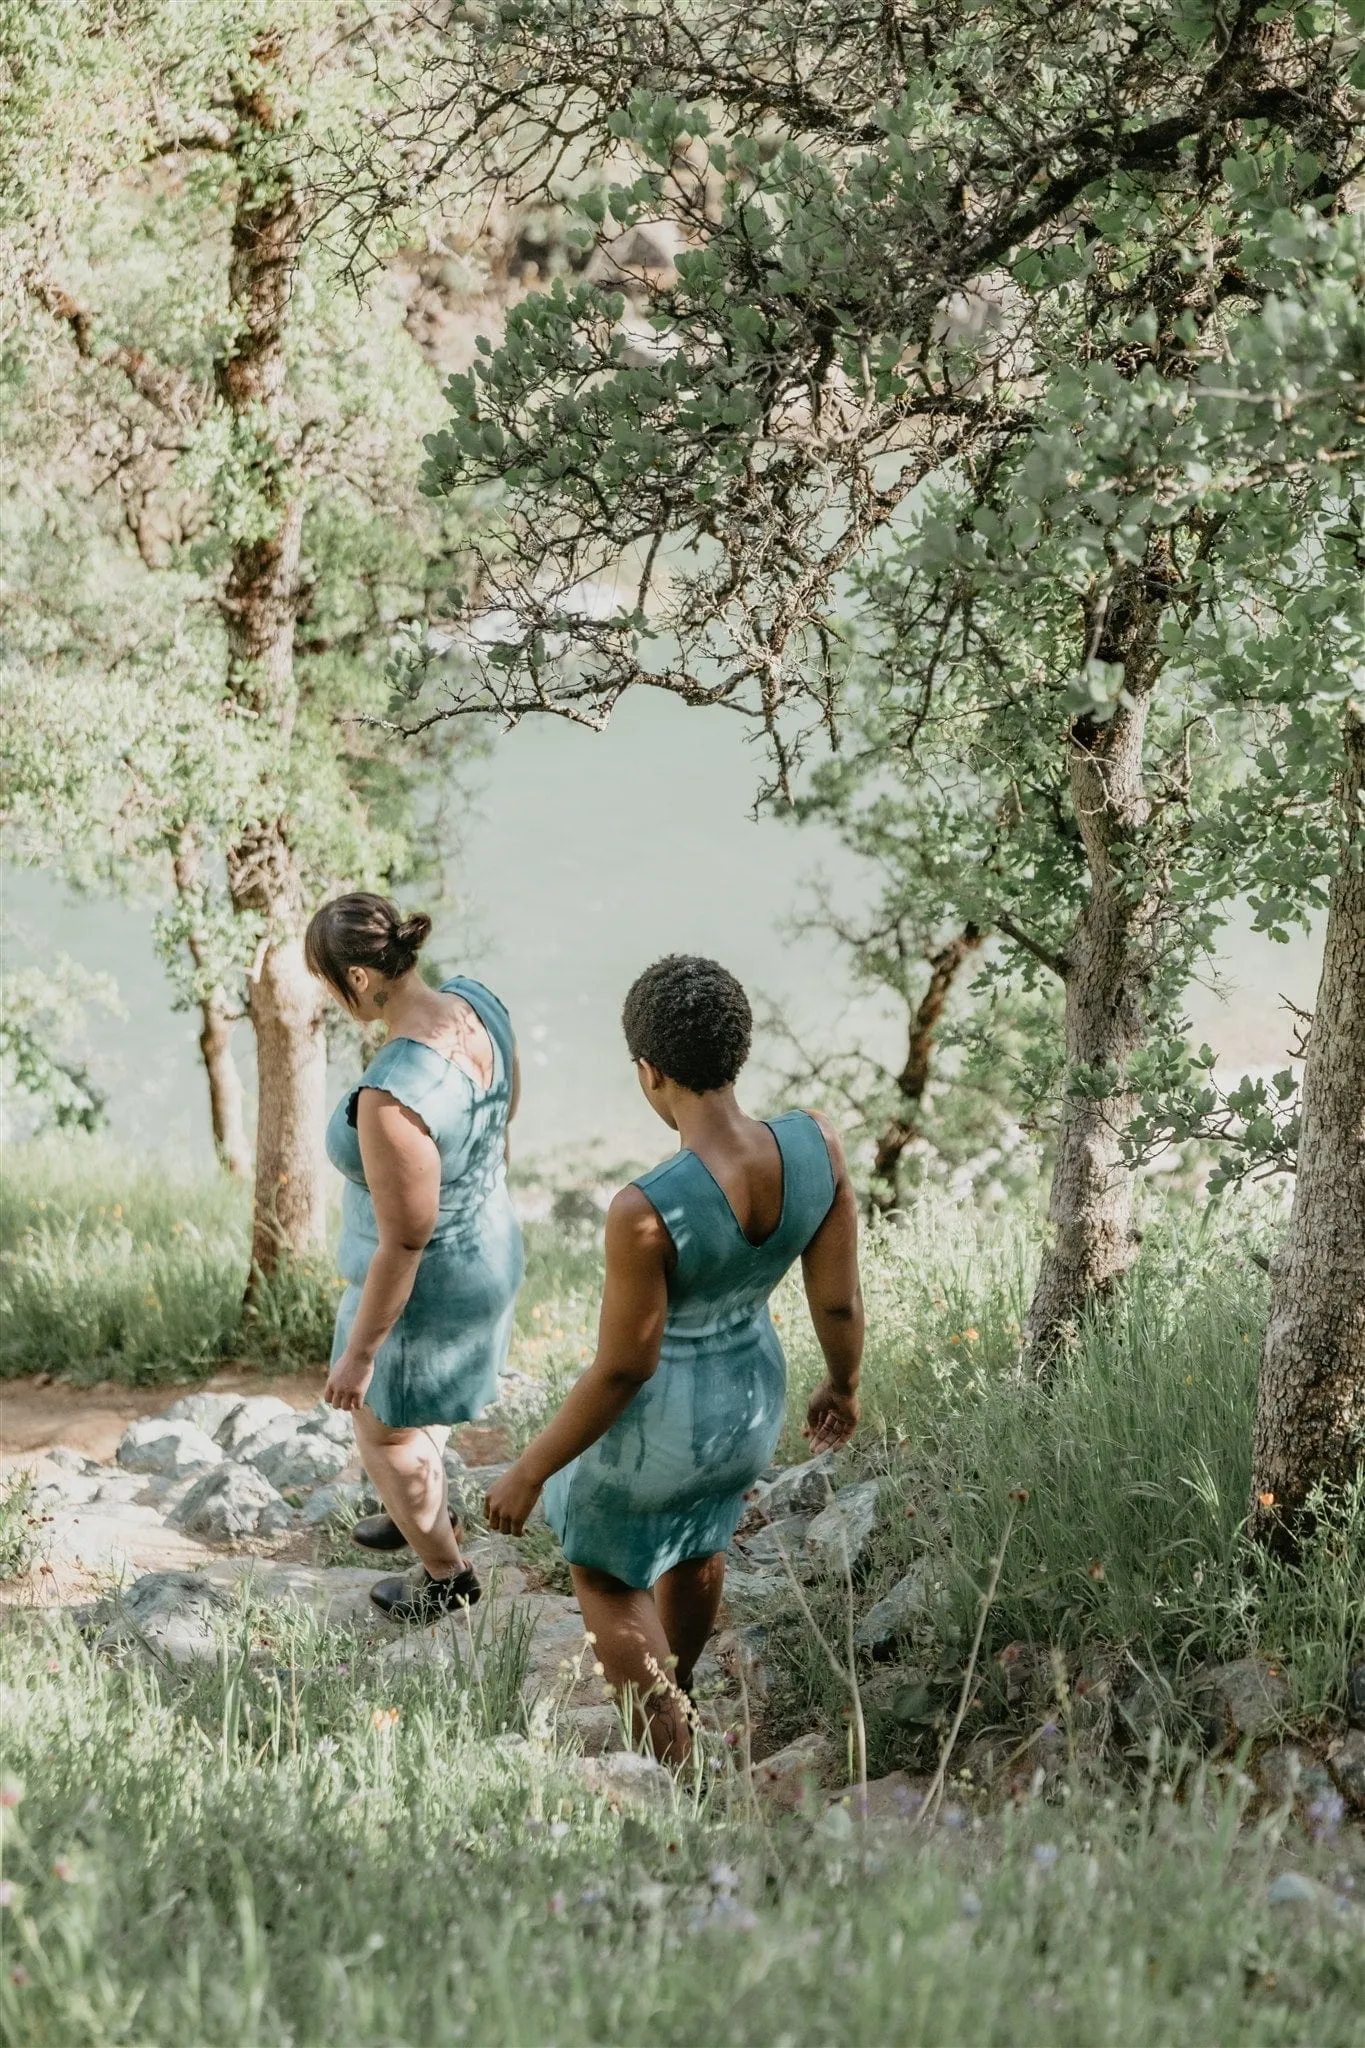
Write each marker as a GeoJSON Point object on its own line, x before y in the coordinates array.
{"type": "Point", "coordinates": [1127, 1554]}
{"type": "Point", "coordinates": [113, 1270]}
{"type": "Point", "coordinates": [303, 1845]}
{"type": "Point", "coordinates": [19, 1524]}
{"type": "Point", "coordinates": [306, 1844]}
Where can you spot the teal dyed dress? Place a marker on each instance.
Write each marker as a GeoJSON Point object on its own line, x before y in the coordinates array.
{"type": "Point", "coordinates": [667, 1480]}
{"type": "Point", "coordinates": [441, 1360]}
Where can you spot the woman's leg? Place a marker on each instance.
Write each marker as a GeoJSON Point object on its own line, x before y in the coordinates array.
{"type": "Point", "coordinates": [634, 1653]}
{"type": "Point", "coordinates": [409, 1476]}
{"type": "Point", "coordinates": [688, 1599]}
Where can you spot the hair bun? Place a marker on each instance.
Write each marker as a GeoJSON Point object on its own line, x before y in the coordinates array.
{"type": "Point", "coordinates": [413, 933]}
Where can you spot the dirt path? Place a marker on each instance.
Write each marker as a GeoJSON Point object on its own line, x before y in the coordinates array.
{"type": "Point", "coordinates": [38, 1413]}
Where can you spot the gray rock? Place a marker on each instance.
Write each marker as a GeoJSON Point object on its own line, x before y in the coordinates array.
{"type": "Point", "coordinates": [67, 1460]}
{"type": "Point", "coordinates": [768, 1545]}
{"type": "Point", "coordinates": [329, 1503]}
{"type": "Point", "coordinates": [173, 1615]}
{"type": "Point", "coordinates": [897, 1612]}
{"type": "Point", "coordinates": [333, 1423]}
{"type": "Point", "coordinates": [790, 1779]}
{"type": "Point", "coordinates": [801, 1489]}
{"type": "Point", "coordinates": [1355, 1697]}
{"type": "Point", "coordinates": [167, 1448]}
{"type": "Point", "coordinates": [303, 1458]}
{"type": "Point", "coordinates": [206, 1411]}
{"type": "Point", "coordinates": [1150, 1706]}
{"type": "Point", "coordinates": [229, 1503]}
{"type": "Point", "coordinates": [1346, 1762]}
{"type": "Point", "coordinates": [1280, 1773]}
{"type": "Point", "coordinates": [1245, 1698]}
{"type": "Point", "coordinates": [625, 1778]}
{"type": "Point", "coordinates": [595, 1730]}
{"type": "Point", "coordinates": [753, 1589]}
{"type": "Point", "coordinates": [249, 1416]}
{"type": "Point", "coordinates": [842, 1530]}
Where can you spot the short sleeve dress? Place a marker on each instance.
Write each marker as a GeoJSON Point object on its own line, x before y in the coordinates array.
{"type": "Point", "coordinates": [441, 1360]}
{"type": "Point", "coordinates": [667, 1481]}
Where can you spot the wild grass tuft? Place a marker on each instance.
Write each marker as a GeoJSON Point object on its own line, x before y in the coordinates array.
{"type": "Point", "coordinates": [306, 1844]}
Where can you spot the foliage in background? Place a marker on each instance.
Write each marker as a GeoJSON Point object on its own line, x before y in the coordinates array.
{"type": "Point", "coordinates": [43, 1018]}
{"type": "Point", "coordinates": [212, 535]}
{"type": "Point", "coordinates": [996, 407]}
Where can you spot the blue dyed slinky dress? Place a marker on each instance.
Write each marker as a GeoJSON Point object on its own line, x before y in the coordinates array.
{"type": "Point", "coordinates": [441, 1360]}
{"type": "Point", "coordinates": [667, 1480]}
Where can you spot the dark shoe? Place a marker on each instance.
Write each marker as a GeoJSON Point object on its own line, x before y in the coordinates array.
{"type": "Point", "coordinates": [381, 1532]}
{"type": "Point", "coordinates": [418, 1597]}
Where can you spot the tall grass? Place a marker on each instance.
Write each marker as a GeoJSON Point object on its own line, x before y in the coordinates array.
{"type": "Point", "coordinates": [306, 1845]}
{"type": "Point", "coordinates": [1127, 1553]}
{"type": "Point", "coordinates": [116, 1269]}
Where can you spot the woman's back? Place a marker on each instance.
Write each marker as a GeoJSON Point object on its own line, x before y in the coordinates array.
{"type": "Point", "coordinates": [722, 1277]}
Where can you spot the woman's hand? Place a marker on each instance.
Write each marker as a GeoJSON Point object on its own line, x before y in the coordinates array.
{"type": "Point", "coordinates": [348, 1382]}
{"type": "Point", "coordinates": [831, 1417]}
{"type": "Point", "coordinates": [510, 1500]}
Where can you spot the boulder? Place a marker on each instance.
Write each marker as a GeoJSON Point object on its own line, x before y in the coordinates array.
{"type": "Point", "coordinates": [1246, 1698]}
{"type": "Point", "coordinates": [769, 1544]}
{"type": "Point", "coordinates": [595, 1730]}
{"type": "Point", "coordinates": [897, 1612]}
{"type": "Point", "coordinates": [246, 1418]}
{"type": "Point", "coordinates": [331, 1503]}
{"type": "Point", "coordinates": [1346, 1762]}
{"type": "Point", "coordinates": [1280, 1773]}
{"type": "Point", "coordinates": [174, 1615]}
{"type": "Point", "coordinates": [841, 1532]}
{"type": "Point", "coordinates": [206, 1411]}
{"type": "Point", "coordinates": [231, 1502]}
{"type": "Point", "coordinates": [334, 1423]}
{"type": "Point", "coordinates": [624, 1778]}
{"type": "Point", "coordinates": [293, 1450]}
{"type": "Point", "coordinates": [800, 1489]}
{"type": "Point", "coordinates": [790, 1779]}
{"type": "Point", "coordinates": [753, 1589]}
{"type": "Point", "coordinates": [896, 1797]}
{"type": "Point", "coordinates": [166, 1448]}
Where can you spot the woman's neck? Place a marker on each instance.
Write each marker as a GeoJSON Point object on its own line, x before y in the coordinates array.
{"type": "Point", "coordinates": [713, 1119]}
{"type": "Point", "coordinates": [411, 1004]}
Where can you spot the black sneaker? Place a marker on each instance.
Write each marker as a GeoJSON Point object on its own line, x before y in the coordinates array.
{"type": "Point", "coordinates": [418, 1597]}
{"type": "Point", "coordinates": [381, 1532]}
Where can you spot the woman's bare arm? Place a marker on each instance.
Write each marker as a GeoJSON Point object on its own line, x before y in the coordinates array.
{"type": "Point", "coordinates": [630, 1333]}
{"type": "Point", "coordinates": [834, 1295]}
{"type": "Point", "coordinates": [403, 1174]}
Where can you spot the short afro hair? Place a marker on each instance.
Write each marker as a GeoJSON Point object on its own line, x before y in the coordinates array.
{"type": "Point", "coordinates": [691, 1019]}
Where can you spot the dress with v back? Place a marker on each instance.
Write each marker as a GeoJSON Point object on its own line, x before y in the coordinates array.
{"type": "Point", "coordinates": [667, 1481]}
{"type": "Point", "coordinates": [441, 1360]}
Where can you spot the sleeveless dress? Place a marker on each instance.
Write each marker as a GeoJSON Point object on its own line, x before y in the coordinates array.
{"type": "Point", "coordinates": [667, 1481]}
{"type": "Point", "coordinates": [441, 1360]}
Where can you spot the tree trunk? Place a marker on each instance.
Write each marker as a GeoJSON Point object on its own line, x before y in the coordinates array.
{"type": "Point", "coordinates": [913, 1079]}
{"type": "Point", "coordinates": [291, 1058]}
{"type": "Point", "coordinates": [217, 1020]}
{"type": "Point", "coordinates": [225, 1086]}
{"type": "Point", "coordinates": [1105, 971]}
{"type": "Point", "coordinates": [260, 605]}
{"type": "Point", "coordinates": [1310, 1415]}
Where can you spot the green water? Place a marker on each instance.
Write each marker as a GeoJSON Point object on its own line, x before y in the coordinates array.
{"type": "Point", "coordinates": [586, 856]}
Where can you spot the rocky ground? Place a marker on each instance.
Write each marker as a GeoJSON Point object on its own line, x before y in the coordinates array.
{"type": "Point", "coordinates": [153, 1513]}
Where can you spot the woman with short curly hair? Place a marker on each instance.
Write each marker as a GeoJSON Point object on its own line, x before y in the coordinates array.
{"type": "Point", "coordinates": [645, 1467]}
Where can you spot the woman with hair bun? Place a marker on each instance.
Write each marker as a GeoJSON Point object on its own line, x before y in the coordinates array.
{"type": "Point", "coordinates": [430, 1244]}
